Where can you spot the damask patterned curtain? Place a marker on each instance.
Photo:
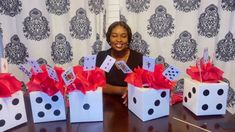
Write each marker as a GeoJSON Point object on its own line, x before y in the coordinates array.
{"type": "Point", "coordinates": [175, 32]}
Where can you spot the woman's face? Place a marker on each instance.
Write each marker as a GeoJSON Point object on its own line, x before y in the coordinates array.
{"type": "Point", "coordinates": [119, 38]}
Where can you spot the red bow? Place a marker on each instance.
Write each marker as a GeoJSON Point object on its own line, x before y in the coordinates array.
{"type": "Point", "coordinates": [87, 80]}
{"type": "Point", "coordinates": [42, 82]}
{"type": "Point", "coordinates": [8, 85]}
{"type": "Point", "coordinates": [156, 80]}
{"type": "Point", "coordinates": [205, 73]}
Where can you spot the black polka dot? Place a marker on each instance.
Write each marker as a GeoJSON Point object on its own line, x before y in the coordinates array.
{"type": "Point", "coordinates": [134, 100]}
{"type": "Point", "coordinates": [204, 107]}
{"type": "Point", "coordinates": [41, 114]}
{"type": "Point", "coordinates": [2, 123]}
{"type": "Point", "coordinates": [43, 130]}
{"type": "Point", "coordinates": [48, 106]}
{"type": "Point", "coordinates": [220, 92]}
{"type": "Point", "coordinates": [86, 106]}
{"type": "Point", "coordinates": [18, 116]}
{"type": "Point", "coordinates": [189, 94]}
{"type": "Point", "coordinates": [54, 98]}
{"type": "Point", "coordinates": [163, 94]}
{"type": "Point", "coordinates": [185, 99]}
{"type": "Point", "coordinates": [57, 112]}
{"type": "Point", "coordinates": [15, 101]}
{"type": "Point", "coordinates": [194, 90]}
{"type": "Point", "coordinates": [0, 107]}
{"type": "Point", "coordinates": [39, 100]}
{"type": "Point", "coordinates": [150, 111]}
{"type": "Point", "coordinates": [157, 103]}
{"type": "Point", "coordinates": [219, 106]}
{"type": "Point", "coordinates": [206, 92]}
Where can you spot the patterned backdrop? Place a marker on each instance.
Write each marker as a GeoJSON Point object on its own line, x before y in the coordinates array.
{"type": "Point", "coordinates": [175, 32]}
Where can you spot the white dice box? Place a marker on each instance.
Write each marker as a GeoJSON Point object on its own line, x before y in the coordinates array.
{"type": "Point", "coordinates": [12, 111]}
{"type": "Point", "coordinates": [86, 107]}
{"type": "Point", "coordinates": [205, 98]}
{"type": "Point", "coordinates": [47, 108]}
{"type": "Point", "coordinates": [148, 103]}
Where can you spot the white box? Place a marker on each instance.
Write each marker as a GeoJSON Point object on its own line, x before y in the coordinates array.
{"type": "Point", "coordinates": [47, 108]}
{"type": "Point", "coordinates": [86, 107]}
{"type": "Point", "coordinates": [12, 111]}
{"type": "Point", "coordinates": [205, 98]}
{"type": "Point", "coordinates": [148, 103]}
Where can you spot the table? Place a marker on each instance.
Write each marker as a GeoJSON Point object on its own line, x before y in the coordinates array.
{"type": "Point", "coordinates": [117, 118]}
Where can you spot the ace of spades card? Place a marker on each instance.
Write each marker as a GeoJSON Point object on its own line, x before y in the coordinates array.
{"type": "Point", "coordinates": [68, 76]}
{"type": "Point", "coordinates": [52, 73]}
{"type": "Point", "coordinates": [123, 66]}
{"type": "Point", "coordinates": [89, 62]}
{"type": "Point", "coordinates": [171, 73]}
{"type": "Point", "coordinates": [148, 63]}
{"type": "Point", "coordinates": [108, 63]}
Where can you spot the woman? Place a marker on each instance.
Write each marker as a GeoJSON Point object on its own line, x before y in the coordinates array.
{"type": "Point", "coordinates": [119, 36]}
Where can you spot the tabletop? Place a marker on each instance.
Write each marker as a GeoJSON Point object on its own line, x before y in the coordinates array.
{"type": "Point", "coordinates": [117, 118]}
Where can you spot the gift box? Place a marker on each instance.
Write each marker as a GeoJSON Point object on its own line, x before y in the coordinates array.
{"type": "Point", "coordinates": [46, 96]}
{"type": "Point", "coordinates": [47, 108]}
{"type": "Point", "coordinates": [205, 98]}
{"type": "Point", "coordinates": [151, 102]}
{"type": "Point", "coordinates": [204, 92]}
{"type": "Point", "coordinates": [148, 103]}
{"type": "Point", "coordinates": [85, 95]}
{"type": "Point", "coordinates": [86, 107]}
{"type": "Point", "coordinates": [12, 105]}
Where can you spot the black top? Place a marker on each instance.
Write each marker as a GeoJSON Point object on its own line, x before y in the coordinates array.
{"type": "Point", "coordinates": [115, 75]}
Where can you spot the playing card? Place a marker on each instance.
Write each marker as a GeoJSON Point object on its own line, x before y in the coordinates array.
{"type": "Point", "coordinates": [25, 70]}
{"type": "Point", "coordinates": [171, 73]}
{"type": "Point", "coordinates": [123, 66]}
{"type": "Point", "coordinates": [148, 63]}
{"type": "Point", "coordinates": [68, 76]}
{"type": "Point", "coordinates": [108, 63]}
{"type": "Point", "coordinates": [52, 73]}
{"type": "Point", "coordinates": [205, 56]}
{"type": "Point", "coordinates": [89, 62]}
{"type": "Point", "coordinates": [35, 66]}
{"type": "Point", "coordinates": [4, 65]}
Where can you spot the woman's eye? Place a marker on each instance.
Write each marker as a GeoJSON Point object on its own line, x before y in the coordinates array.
{"type": "Point", "coordinates": [124, 36]}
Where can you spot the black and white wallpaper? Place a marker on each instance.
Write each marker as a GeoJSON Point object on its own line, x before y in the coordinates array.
{"type": "Point", "coordinates": [175, 32]}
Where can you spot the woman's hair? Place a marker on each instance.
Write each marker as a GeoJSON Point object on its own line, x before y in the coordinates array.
{"type": "Point", "coordinates": [119, 23]}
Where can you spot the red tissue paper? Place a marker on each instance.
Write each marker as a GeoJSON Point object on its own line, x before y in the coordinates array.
{"type": "Point", "coordinates": [87, 80]}
{"type": "Point", "coordinates": [8, 85]}
{"type": "Point", "coordinates": [205, 72]}
{"type": "Point", "coordinates": [156, 80]}
{"type": "Point", "coordinates": [42, 82]}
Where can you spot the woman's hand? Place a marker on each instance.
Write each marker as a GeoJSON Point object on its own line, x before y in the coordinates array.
{"type": "Point", "coordinates": [119, 90]}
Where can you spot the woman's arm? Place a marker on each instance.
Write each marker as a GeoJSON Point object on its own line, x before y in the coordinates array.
{"type": "Point", "coordinates": [112, 89]}
{"type": "Point", "coordinates": [119, 90]}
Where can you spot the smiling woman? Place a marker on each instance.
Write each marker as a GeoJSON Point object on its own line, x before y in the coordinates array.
{"type": "Point", "coordinates": [119, 36]}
